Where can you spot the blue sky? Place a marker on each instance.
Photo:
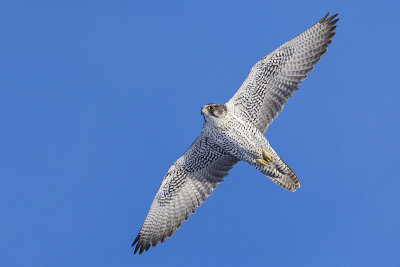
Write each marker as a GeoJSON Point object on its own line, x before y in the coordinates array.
{"type": "Point", "coordinates": [99, 98]}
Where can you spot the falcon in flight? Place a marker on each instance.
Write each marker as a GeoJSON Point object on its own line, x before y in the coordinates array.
{"type": "Point", "coordinates": [234, 132]}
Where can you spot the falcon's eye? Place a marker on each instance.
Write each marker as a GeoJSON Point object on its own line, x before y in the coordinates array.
{"type": "Point", "coordinates": [211, 107]}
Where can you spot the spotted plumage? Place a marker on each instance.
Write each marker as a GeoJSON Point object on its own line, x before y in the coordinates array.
{"type": "Point", "coordinates": [234, 132]}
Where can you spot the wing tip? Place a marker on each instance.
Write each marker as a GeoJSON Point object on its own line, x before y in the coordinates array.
{"type": "Point", "coordinates": [327, 19]}
{"type": "Point", "coordinates": [324, 18]}
{"type": "Point", "coordinates": [330, 24]}
{"type": "Point", "coordinates": [140, 245]}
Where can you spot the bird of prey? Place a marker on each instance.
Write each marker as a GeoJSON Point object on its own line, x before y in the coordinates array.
{"type": "Point", "coordinates": [234, 132]}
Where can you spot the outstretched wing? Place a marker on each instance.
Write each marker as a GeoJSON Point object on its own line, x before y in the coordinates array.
{"type": "Point", "coordinates": [275, 78]}
{"type": "Point", "coordinates": [189, 181]}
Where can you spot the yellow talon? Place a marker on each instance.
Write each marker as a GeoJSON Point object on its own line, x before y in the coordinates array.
{"type": "Point", "coordinates": [261, 161]}
{"type": "Point", "coordinates": [267, 158]}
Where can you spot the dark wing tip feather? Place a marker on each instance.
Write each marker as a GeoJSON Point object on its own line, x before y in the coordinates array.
{"type": "Point", "coordinates": [333, 22]}
{"type": "Point", "coordinates": [331, 18]}
{"type": "Point", "coordinates": [141, 249]}
{"type": "Point", "coordinates": [140, 245]}
{"type": "Point", "coordinates": [324, 18]}
{"type": "Point", "coordinates": [327, 19]}
{"type": "Point", "coordinates": [331, 35]}
{"type": "Point", "coordinates": [136, 248]}
{"type": "Point", "coordinates": [136, 240]}
{"type": "Point", "coordinates": [330, 22]}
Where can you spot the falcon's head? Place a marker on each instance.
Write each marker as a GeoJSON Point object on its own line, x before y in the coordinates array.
{"type": "Point", "coordinates": [213, 111]}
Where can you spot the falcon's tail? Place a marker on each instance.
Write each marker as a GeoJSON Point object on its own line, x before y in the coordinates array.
{"type": "Point", "coordinates": [279, 172]}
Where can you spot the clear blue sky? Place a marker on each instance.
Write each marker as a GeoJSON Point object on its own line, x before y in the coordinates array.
{"type": "Point", "coordinates": [99, 98]}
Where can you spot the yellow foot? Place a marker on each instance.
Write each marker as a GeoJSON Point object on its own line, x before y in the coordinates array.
{"type": "Point", "coordinates": [267, 158]}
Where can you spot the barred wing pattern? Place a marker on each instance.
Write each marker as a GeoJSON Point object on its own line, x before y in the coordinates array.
{"type": "Point", "coordinates": [275, 78]}
{"type": "Point", "coordinates": [189, 181]}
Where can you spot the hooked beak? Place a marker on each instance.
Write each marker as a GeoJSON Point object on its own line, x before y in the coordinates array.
{"type": "Point", "coordinates": [203, 111]}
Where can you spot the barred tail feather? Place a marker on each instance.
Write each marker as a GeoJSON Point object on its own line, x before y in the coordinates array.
{"type": "Point", "coordinates": [288, 180]}
{"type": "Point", "coordinates": [280, 173]}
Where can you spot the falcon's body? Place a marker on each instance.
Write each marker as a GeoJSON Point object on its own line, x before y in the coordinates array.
{"type": "Point", "coordinates": [240, 138]}
{"type": "Point", "coordinates": [234, 132]}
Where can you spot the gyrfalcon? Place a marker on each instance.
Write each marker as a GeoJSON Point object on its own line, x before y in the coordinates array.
{"type": "Point", "coordinates": [235, 131]}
